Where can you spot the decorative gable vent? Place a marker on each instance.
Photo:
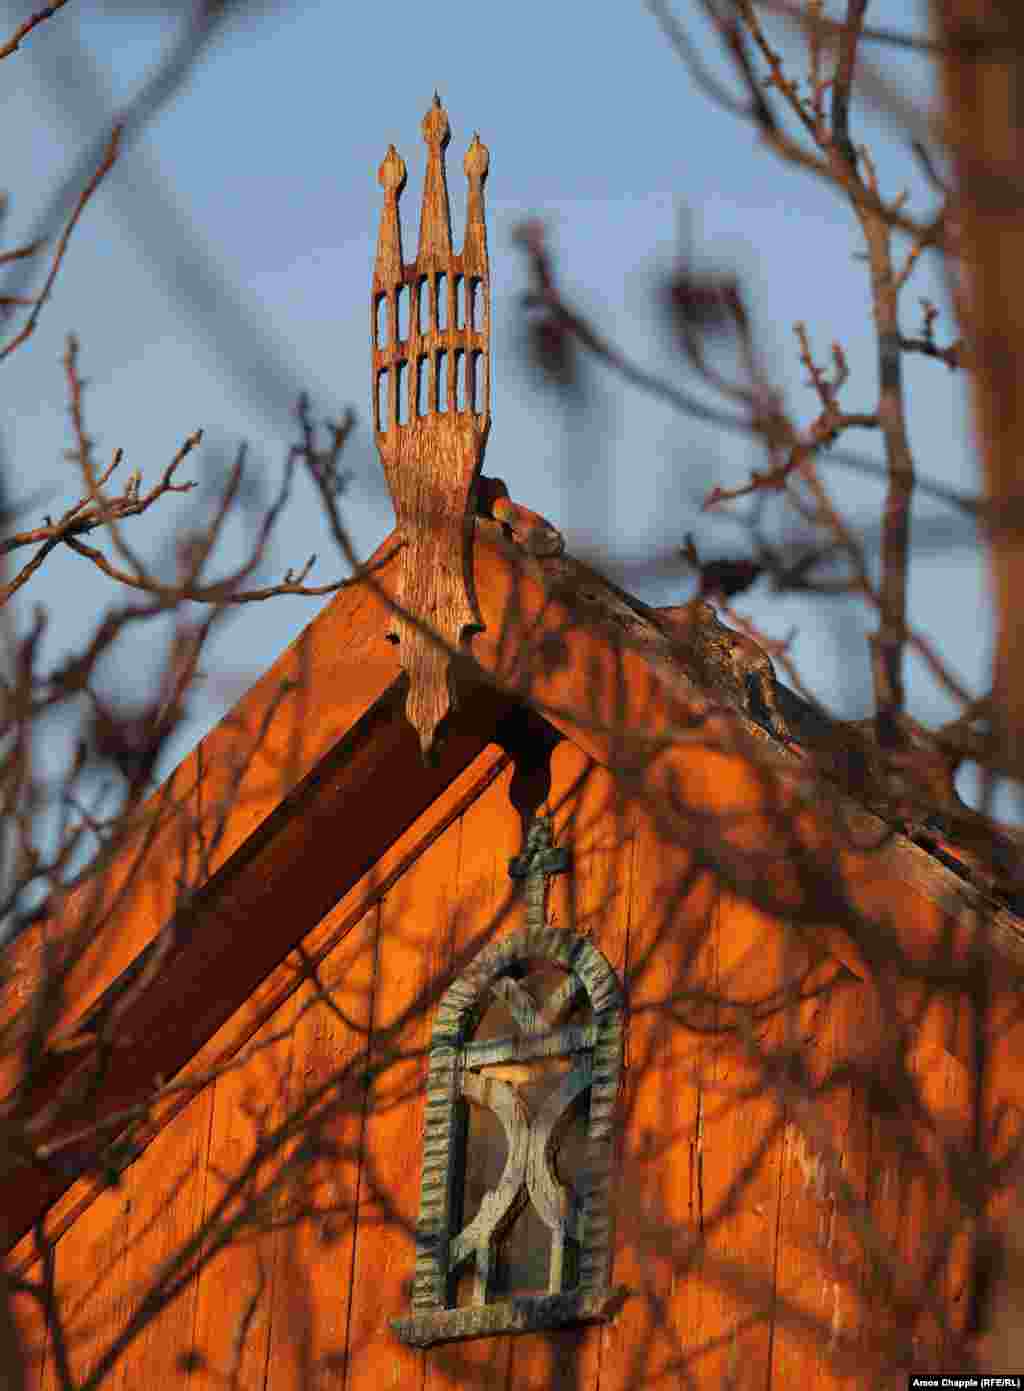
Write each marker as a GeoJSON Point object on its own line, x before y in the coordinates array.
{"type": "Point", "coordinates": [575, 1025]}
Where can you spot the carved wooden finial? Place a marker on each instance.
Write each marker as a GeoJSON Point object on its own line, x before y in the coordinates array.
{"type": "Point", "coordinates": [391, 177]}
{"type": "Point", "coordinates": [435, 217]}
{"type": "Point", "coordinates": [474, 244]}
{"type": "Point", "coordinates": [432, 411]}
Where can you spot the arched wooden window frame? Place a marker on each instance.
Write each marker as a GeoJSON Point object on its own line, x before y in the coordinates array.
{"type": "Point", "coordinates": [439, 1250]}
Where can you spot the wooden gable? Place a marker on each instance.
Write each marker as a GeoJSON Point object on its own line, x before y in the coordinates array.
{"type": "Point", "coordinates": [304, 888]}
{"type": "Point", "coordinates": [353, 883]}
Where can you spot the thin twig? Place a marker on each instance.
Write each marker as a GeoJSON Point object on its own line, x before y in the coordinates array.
{"type": "Point", "coordinates": [105, 165]}
{"type": "Point", "coordinates": [23, 30]}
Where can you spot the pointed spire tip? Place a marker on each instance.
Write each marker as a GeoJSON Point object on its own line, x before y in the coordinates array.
{"type": "Point", "coordinates": [477, 159]}
{"type": "Point", "coordinates": [435, 124]}
{"type": "Point", "coordinates": [391, 174]}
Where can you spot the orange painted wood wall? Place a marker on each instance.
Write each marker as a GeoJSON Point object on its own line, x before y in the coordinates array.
{"type": "Point", "coordinates": [731, 1241]}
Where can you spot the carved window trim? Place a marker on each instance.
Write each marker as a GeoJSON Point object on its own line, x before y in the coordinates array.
{"type": "Point", "coordinates": [528, 1176]}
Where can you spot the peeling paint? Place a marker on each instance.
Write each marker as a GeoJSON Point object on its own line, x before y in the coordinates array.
{"type": "Point", "coordinates": [830, 1239]}
{"type": "Point", "coordinates": [837, 1314]}
{"type": "Point", "coordinates": [811, 1166]}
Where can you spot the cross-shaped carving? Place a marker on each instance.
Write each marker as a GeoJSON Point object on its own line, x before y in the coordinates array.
{"type": "Point", "coordinates": [529, 1174]}
{"type": "Point", "coordinates": [462, 1069]}
{"type": "Point", "coordinates": [532, 1141]}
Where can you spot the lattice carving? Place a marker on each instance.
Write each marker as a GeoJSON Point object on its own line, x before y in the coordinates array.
{"type": "Point", "coordinates": [577, 1221]}
{"type": "Point", "coordinates": [432, 410]}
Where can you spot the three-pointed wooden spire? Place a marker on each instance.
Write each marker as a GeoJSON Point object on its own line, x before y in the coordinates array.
{"type": "Point", "coordinates": [431, 410]}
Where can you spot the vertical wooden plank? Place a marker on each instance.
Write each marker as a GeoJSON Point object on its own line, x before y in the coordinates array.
{"type": "Point", "coordinates": [740, 1143]}
{"type": "Point", "coordinates": [90, 1280]}
{"type": "Point", "coordinates": [166, 1195]}
{"type": "Point", "coordinates": [914, 1205]}
{"type": "Point", "coordinates": [28, 1327]}
{"type": "Point", "coordinates": [998, 1313]}
{"type": "Point", "coordinates": [659, 1188]}
{"type": "Point", "coordinates": [896, 1206]}
{"type": "Point", "coordinates": [235, 1288]}
{"type": "Point", "coordinates": [823, 1188]}
{"type": "Point", "coordinates": [414, 922]}
{"type": "Point", "coordinates": [29, 1318]}
{"type": "Point", "coordinates": [486, 907]}
{"type": "Point", "coordinates": [909, 1294]}
{"type": "Point", "coordinates": [946, 1093]}
{"type": "Point", "coordinates": [1003, 1101]}
{"type": "Point", "coordinates": [313, 1258]}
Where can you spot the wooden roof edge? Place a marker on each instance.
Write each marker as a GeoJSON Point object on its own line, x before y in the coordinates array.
{"type": "Point", "coordinates": [710, 662]}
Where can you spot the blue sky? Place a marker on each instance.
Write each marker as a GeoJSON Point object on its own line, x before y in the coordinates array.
{"type": "Point", "coordinates": [267, 161]}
